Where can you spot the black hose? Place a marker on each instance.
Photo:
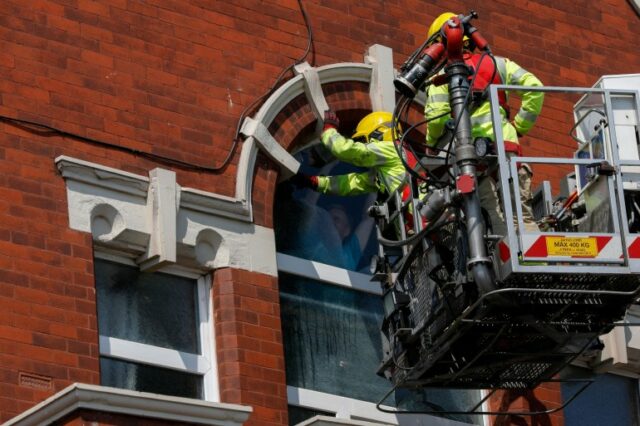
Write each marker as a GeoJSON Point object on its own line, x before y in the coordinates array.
{"type": "Point", "coordinates": [466, 99]}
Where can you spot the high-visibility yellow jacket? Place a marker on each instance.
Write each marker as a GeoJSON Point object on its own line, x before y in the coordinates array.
{"type": "Point", "coordinates": [386, 172]}
{"type": "Point", "coordinates": [511, 74]}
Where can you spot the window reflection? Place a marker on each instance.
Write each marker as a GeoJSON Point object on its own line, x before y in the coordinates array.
{"type": "Point", "coordinates": [152, 308]}
{"type": "Point", "coordinates": [329, 229]}
{"type": "Point", "coordinates": [332, 338]}
{"type": "Point", "coordinates": [147, 378]}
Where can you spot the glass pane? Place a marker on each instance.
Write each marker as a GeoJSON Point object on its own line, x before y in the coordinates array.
{"type": "Point", "coordinates": [332, 339]}
{"type": "Point", "coordinates": [145, 378]}
{"type": "Point", "coordinates": [328, 229]}
{"type": "Point", "coordinates": [332, 344]}
{"type": "Point", "coordinates": [152, 308]}
{"type": "Point", "coordinates": [610, 400]}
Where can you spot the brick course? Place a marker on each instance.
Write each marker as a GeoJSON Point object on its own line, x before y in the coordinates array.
{"type": "Point", "coordinates": [172, 78]}
{"type": "Point", "coordinates": [249, 344]}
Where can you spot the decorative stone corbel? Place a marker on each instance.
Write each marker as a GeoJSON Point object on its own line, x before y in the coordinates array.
{"type": "Point", "coordinates": [157, 223]}
{"type": "Point", "coordinates": [162, 202]}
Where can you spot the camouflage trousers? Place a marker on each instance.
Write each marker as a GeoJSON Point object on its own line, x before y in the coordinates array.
{"type": "Point", "coordinates": [490, 201]}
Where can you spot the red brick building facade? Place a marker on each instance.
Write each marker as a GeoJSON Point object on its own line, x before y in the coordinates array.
{"type": "Point", "coordinates": [124, 87]}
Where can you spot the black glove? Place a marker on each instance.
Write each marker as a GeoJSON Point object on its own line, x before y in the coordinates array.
{"type": "Point", "coordinates": [331, 120]}
{"type": "Point", "coordinates": [300, 180]}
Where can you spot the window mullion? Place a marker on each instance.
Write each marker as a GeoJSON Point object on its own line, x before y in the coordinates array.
{"type": "Point", "coordinates": [207, 338]}
{"type": "Point", "coordinates": [153, 355]}
{"type": "Point", "coordinates": [327, 273]}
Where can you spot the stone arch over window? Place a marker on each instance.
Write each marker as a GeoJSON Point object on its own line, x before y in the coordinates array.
{"type": "Point", "coordinates": [288, 120]}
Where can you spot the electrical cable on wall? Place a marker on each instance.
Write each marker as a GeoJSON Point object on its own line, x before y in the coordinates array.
{"type": "Point", "coordinates": [49, 131]}
{"type": "Point", "coordinates": [251, 107]}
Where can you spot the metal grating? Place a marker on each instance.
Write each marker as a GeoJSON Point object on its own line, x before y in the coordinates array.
{"type": "Point", "coordinates": [529, 372]}
{"type": "Point", "coordinates": [423, 289]}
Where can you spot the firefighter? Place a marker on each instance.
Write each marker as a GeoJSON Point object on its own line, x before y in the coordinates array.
{"type": "Point", "coordinates": [504, 71]}
{"type": "Point", "coordinates": [371, 146]}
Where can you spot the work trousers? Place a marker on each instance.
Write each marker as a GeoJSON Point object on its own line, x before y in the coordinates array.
{"type": "Point", "coordinates": [490, 201]}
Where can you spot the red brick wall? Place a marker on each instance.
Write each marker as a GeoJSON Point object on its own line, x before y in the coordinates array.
{"type": "Point", "coordinates": [296, 123]}
{"type": "Point", "coordinates": [48, 332]}
{"type": "Point", "coordinates": [171, 78]}
{"type": "Point", "coordinates": [249, 344]}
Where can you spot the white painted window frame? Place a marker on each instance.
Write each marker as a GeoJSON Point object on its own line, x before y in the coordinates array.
{"type": "Point", "coordinates": [340, 406]}
{"type": "Point", "coordinates": [327, 273]}
{"type": "Point", "coordinates": [203, 364]}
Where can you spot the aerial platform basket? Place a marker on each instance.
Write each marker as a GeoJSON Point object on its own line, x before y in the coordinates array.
{"type": "Point", "coordinates": [516, 336]}
{"type": "Point", "coordinates": [556, 290]}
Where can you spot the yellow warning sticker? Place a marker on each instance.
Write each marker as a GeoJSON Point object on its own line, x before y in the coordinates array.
{"type": "Point", "coordinates": [572, 246]}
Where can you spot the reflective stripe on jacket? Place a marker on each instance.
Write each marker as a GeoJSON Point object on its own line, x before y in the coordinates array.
{"type": "Point", "coordinates": [386, 171]}
{"type": "Point", "coordinates": [511, 74]}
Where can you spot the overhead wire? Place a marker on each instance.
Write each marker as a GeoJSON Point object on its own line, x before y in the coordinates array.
{"type": "Point", "coordinates": [50, 131]}
{"type": "Point", "coordinates": [251, 107]}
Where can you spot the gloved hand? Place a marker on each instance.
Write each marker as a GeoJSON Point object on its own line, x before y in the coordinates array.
{"type": "Point", "coordinates": [300, 180]}
{"type": "Point", "coordinates": [331, 120]}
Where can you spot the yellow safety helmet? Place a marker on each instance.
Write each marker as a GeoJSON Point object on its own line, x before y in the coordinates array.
{"type": "Point", "coordinates": [437, 24]}
{"type": "Point", "coordinates": [378, 121]}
